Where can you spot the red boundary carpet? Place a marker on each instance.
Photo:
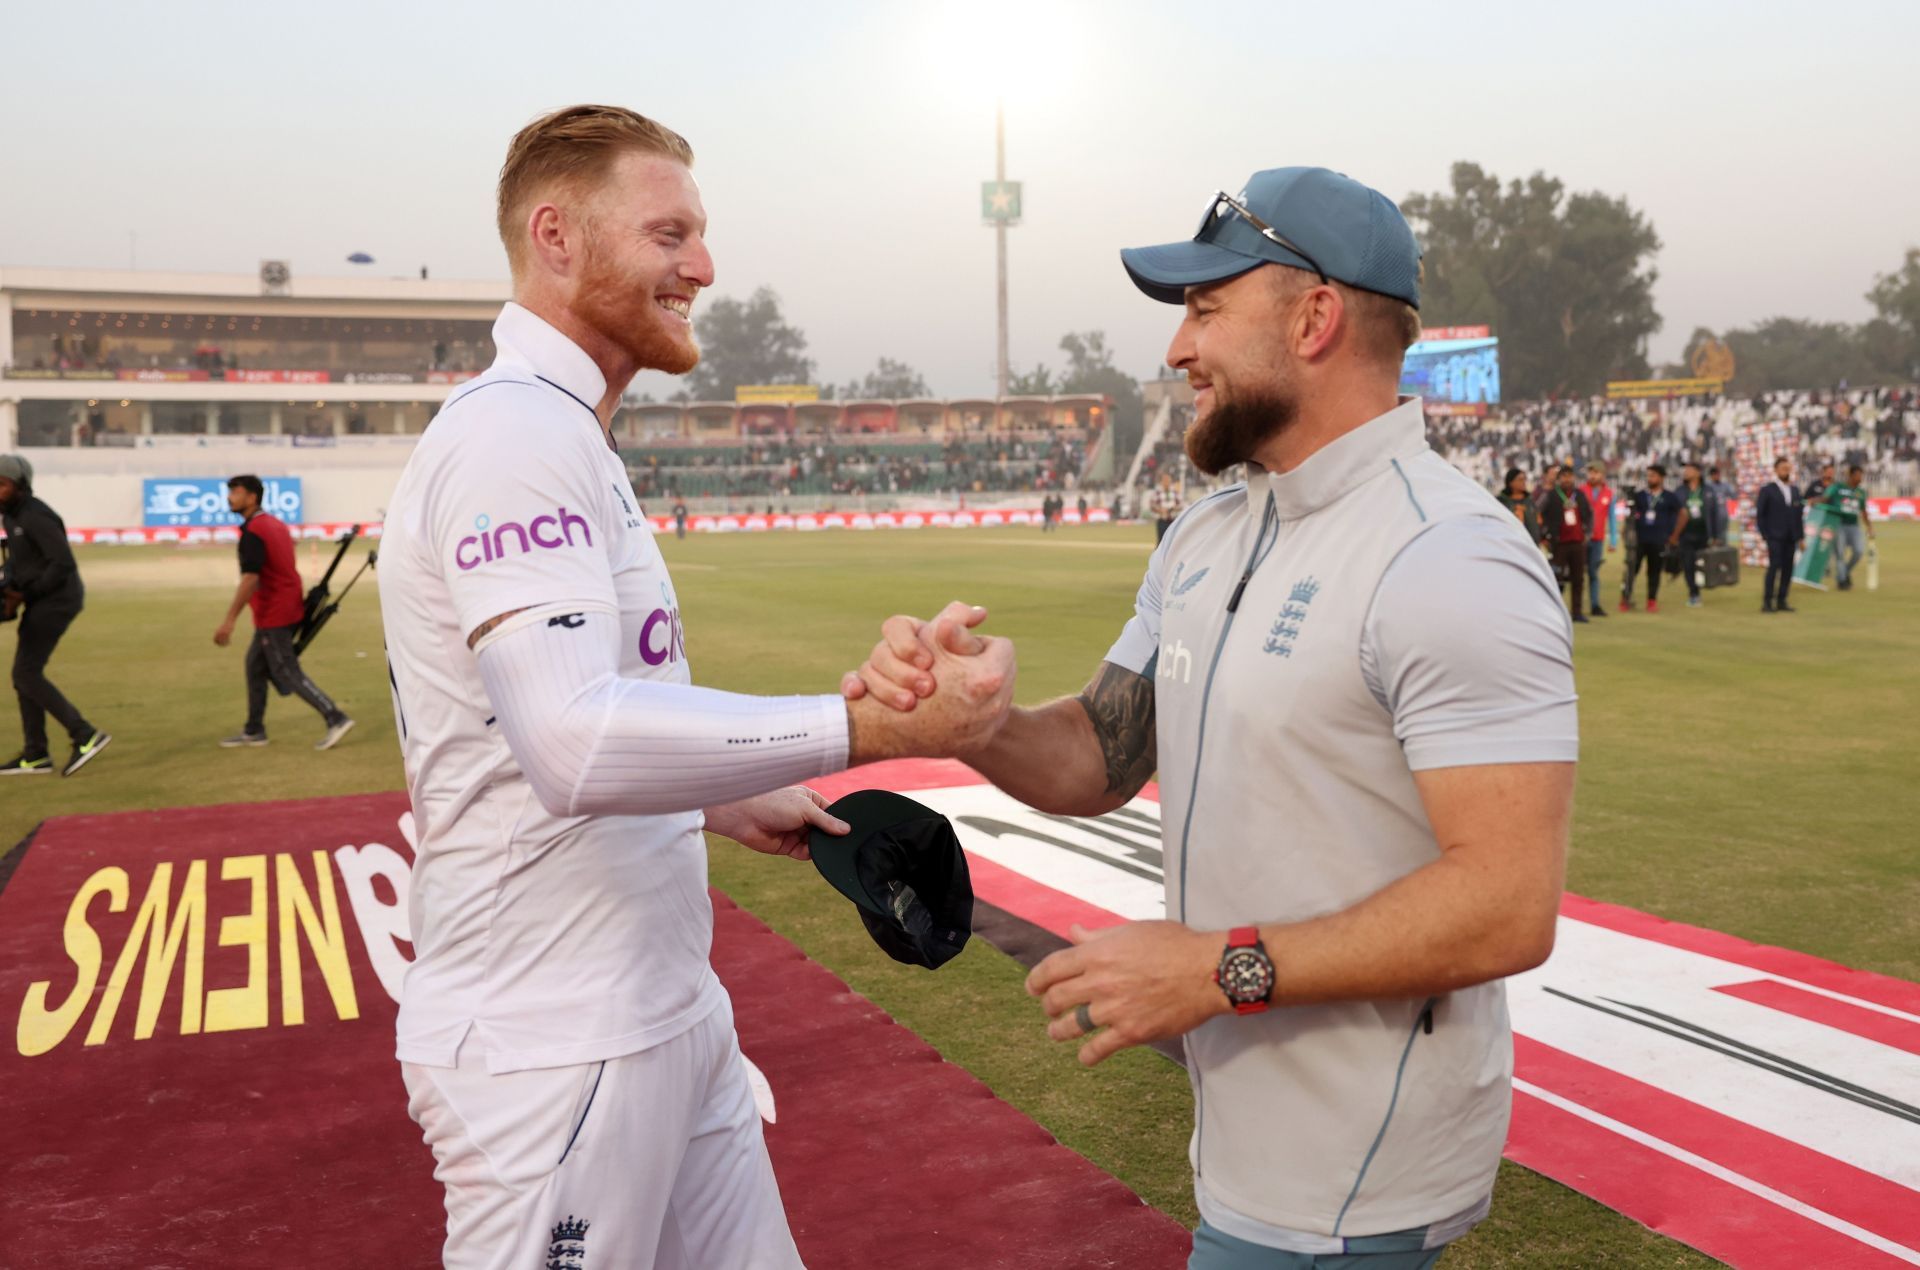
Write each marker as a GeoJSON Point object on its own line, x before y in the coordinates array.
{"type": "Point", "coordinates": [286, 1144]}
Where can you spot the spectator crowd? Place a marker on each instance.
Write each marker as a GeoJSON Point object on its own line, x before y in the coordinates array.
{"type": "Point", "coordinates": [1876, 428]}
{"type": "Point", "coordinates": [789, 465]}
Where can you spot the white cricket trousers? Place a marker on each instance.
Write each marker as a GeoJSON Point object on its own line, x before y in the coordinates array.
{"type": "Point", "coordinates": [654, 1159]}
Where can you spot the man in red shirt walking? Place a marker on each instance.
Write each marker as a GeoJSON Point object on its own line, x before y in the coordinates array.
{"type": "Point", "coordinates": [1600, 500]}
{"type": "Point", "coordinates": [270, 585]}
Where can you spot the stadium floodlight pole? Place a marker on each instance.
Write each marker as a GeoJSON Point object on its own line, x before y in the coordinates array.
{"type": "Point", "coordinates": [1000, 234]}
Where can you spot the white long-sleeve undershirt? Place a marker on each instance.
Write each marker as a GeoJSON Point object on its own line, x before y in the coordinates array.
{"type": "Point", "coordinates": [593, 743]}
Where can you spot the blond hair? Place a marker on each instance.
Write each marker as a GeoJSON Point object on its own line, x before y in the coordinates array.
{"type": "Point", "coordinates": [572, 149]}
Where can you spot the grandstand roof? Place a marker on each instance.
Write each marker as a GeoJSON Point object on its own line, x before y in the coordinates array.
{"type": "Point", "coordinates": [106, 286]}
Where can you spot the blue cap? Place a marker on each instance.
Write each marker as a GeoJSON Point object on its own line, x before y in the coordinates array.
{"type": "Point", "coordinates": [1340, 228]}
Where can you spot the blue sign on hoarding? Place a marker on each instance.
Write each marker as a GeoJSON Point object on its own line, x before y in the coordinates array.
{"type": "Point", "coordinates": [202, 500]}
{"type": "Point", "coordinates": [1461, 371]}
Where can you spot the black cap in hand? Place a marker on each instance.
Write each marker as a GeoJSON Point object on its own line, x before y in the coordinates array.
{"type": "Point", "coordinates": [901, 863]}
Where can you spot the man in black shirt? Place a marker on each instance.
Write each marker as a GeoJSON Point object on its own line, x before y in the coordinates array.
{"type": "Point", "coordinates": [43, 590]}
{"type": "Point", "coordinates": [1696, 526]}
{"type": "Point", "coordinates": [1656, 512]}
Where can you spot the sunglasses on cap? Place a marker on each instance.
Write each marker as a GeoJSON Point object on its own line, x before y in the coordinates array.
{"type": "Point", "coordinates": [1222, 206]}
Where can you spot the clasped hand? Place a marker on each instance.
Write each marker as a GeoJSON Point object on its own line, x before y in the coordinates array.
{"type": "Point", "coordinates": [930, 689]}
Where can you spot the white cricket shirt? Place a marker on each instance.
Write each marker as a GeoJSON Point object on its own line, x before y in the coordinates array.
{"type": "Point", "coordinates": [556, 939]}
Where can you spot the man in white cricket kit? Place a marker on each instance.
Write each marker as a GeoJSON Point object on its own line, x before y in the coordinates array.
{"type": "Point", "coordinates": [1354, 675]}
{"type": "Point", "coordinates": [567, 1051]}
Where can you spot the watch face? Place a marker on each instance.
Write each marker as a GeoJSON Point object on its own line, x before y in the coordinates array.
{"type": "Point", "coordinates": [1246, 975]}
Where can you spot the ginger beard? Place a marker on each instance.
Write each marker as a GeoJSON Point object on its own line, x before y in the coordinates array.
{"type": "Point", "coordinates": [625, 310]}
{"type": "Point", "coordinates": [1237, 426]}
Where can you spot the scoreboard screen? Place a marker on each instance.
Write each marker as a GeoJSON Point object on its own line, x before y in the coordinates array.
{"type": "Point", "coordinates": [1455, 371]}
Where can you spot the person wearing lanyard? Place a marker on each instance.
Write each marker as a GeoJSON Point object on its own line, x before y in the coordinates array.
{"type": "Point", "coordinates": [1693, 533]}
{"type": "Point", "coordinates": [1604, 535]}
{"type": "Point", "coordinates": [1360, 703]}
{"type": "Point", "coordinates": [1570, 528]}
{"type": "Point", "coordinates": [1848, 503]}
{"type": "Point", "coordinates": [1656, 516]}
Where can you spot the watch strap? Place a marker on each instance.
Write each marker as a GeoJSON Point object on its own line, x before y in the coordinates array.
{"type": "Point", "coordinates": [1244, 937]}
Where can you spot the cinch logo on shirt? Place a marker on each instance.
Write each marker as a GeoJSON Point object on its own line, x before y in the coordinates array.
{"type": "Point", "coordinates": [1176, 662]}
{"type": "Point", "coordinates": [543, 532]}
{"type": "Point", "coordinates": [662, 637]}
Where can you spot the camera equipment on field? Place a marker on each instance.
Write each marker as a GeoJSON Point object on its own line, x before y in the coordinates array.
{"type": "Point", "coordinates": [319, 612]}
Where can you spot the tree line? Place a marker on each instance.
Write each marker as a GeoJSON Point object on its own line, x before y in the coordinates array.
{"type": "Point", "coordinates": [1566, 281]}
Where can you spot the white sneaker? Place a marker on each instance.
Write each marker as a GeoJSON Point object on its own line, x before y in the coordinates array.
{"type": "Point", "coordinates": [334, 733]}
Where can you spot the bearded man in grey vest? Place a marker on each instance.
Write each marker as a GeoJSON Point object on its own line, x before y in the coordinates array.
{"type": "Point", "coordinates": [1360, 702]}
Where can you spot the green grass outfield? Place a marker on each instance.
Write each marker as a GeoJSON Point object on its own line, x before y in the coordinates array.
{"type": "Point", "coordinates": [1748, 773]}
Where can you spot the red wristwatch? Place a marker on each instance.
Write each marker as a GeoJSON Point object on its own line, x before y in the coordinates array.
{"type": "Point", "coordinates": [1245, 973]}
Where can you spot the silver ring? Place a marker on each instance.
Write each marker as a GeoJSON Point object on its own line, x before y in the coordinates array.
{"type": "Point", "coordinates": [1084, 1017]}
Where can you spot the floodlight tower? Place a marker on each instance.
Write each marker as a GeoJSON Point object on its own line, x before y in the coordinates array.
{"type": "Point", "coordinates": [1000, 208]}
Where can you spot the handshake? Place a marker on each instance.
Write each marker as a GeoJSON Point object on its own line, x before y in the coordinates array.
{"type": "Point", "coordinates": [929, 689]}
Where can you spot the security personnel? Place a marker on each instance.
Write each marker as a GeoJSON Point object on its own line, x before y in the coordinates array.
{"type": "Point", "coordinates": [1656, 513]}
{"type": "Point", "coordinates": [1694, 534]}
{"type": "Point", "coordinates": [1570, 523]}
{"type": "Point", "coordinates": [44, 592]}
{"type": "Point", "coordinates": [1359, 698]}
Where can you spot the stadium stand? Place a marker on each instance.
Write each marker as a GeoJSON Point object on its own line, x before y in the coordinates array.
{"type": "Point", "coordinates": [1878, 428]}
{"type": "Point", "coordinates": [829, 463]}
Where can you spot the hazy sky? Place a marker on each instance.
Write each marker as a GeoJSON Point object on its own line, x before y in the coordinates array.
{"type": "Point", "coordinates": [1775, 146]}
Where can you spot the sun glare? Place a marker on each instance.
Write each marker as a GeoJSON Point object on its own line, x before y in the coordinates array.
{"type": "Point", "coordinates": [1027, 55]}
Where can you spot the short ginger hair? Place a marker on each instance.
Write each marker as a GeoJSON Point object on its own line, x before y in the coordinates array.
{"type": "Point", "coordinates": [573, 148]}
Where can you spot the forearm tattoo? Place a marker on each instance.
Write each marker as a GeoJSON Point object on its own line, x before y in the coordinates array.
{"type": "Point", "coordinates": [1120, 705]}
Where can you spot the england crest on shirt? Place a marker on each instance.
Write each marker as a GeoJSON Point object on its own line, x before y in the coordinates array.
{"type": "Point", "coordinates": [568, 1248]}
